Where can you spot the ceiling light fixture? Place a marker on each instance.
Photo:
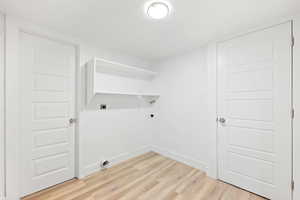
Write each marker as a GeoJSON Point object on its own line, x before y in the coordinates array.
{"type": "Point", "coordinates": [158, 9]}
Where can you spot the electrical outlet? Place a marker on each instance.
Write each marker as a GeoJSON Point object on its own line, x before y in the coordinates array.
{"type": "Point", "coordinates": [104, 164]}
{"type": "Point", "coordinates": [103, 107]}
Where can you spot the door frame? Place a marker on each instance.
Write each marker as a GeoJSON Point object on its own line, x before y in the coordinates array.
{"type": "Point", "coordinates": [218, 166]}
{"type": "Point", "coordinates": [2, 105]}
{"type": "Point", "coordinates": [296, 98]}
{"type": "Point", "coordinates": [14, 27]}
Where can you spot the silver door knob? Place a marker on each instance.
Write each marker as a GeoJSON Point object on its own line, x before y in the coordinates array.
{"type": "Point", "coordinates": [222, 120]}
{"type": "Point", "coordinates": [72, 121]}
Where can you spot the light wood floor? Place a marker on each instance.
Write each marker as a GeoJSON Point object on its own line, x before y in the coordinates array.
{"type": "Point", "coordinates": [150, 176]}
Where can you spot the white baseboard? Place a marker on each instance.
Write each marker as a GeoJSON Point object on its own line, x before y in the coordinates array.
{"type": "Point", "coordinates": [125, 156]}
{"type": "Point", "coordinates": [181, 158]}
{"type": "Point", "coordinates": [114, 160]}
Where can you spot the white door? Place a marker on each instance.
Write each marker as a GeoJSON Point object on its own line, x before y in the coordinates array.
{"type": "Point", "coordinates": [254, 112]}
{"type": "Point", "coordinates": [47, 103]}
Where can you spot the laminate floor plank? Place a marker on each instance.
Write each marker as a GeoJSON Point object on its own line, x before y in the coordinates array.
{"type": "Point", "coordinates": [146, 177]}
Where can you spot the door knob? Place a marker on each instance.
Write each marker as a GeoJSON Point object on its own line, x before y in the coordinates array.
{"type": "Point", "coordinates": [222, 120]}
{"type": "Point", "coordinates": [72, 121]}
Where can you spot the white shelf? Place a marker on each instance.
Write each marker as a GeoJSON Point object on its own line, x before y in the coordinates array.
{"type": "Point", "coordinates": [147, 97]}
{"type": "Point", "coordinates": [118, 69]}
{"type": "Point", "coordinates": [114, 84]}
{"type": "Point", "coordinates": [128, 94]}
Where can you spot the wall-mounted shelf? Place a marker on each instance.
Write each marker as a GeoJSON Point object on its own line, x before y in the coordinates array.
{"type": "Point", "coordinates": [151, 96]}
{"type": "Point", "coordinates": [147, 97]}
{"type": "Point", "coordinates": [118, 69]}
{"type": "Point", "coordinates": [114, 83]}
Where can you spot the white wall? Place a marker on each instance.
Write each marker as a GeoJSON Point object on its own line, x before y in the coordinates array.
{"type": "Point", "coordinates": [11, 114]}
{"type": "Point", "coordinates": [1, 106]}
{"type": "Point", "coordinates": [182, 124]}
{"type": "Point", "coordinates": [114, 135]}
{"type": "Point", "coordinates": [111, 134]}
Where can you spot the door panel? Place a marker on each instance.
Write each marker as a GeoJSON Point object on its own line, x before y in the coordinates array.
{"type": "Point", "coordinates": [256, 139]}
{"type": "Point", "coordinates": [253, 109]}
{"type": "Point", "coordinates": [254, 97]}
{"type": "Point", "coordinates": [47, 104]}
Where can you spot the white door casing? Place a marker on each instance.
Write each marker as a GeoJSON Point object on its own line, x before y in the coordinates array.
{"type": "Point", "coordinates": [47, 73]}
{"type": "Point", "coordinates": [254, 97]}
{"type": "Point", "coordinates": [296, 102]}
{"type": "Point", "coordinates": [2, 121]}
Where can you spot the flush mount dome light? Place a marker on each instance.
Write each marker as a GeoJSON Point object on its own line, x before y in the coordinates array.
{"type": "Point", "coordinates": [158, 10]}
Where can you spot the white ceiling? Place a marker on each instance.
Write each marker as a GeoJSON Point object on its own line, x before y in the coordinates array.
{"type": "Point", "coordinates": [121, 25]}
